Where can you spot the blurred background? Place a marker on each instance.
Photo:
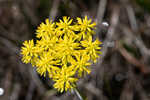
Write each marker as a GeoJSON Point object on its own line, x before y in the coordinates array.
{"type": "Point", "coordinates": [121, 73]}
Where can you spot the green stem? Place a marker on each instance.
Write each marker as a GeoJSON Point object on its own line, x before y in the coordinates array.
{"type": "Point", "coordinates": [78, 94]}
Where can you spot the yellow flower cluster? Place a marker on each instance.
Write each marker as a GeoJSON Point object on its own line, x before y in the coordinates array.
{"type": "Point", "coordinates": [64, 50]}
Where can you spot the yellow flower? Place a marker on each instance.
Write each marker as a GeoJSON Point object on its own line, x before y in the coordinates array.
{"type": "Point", "coordinates": [47, 43]}
{"type": "Point", "coordinates": [81, 62]}
{"type": "Point", "coordinates": [86, 24]}
{"type": "Point", "coordinates": [46, 63]}
{"type": "Point", "coordinates": [64, 51]}
{"type": "Point", "coordinates": [28, 51]}
{"type": "Point", "coordinates": [45, 30]}
{"type": "Point", "coordinates": [64, 26]}
{"type": "Point", "coordinates": [92, 48]}
{"type": "Point", "coordinates": [64, 78]}
{"type": "Point", "coordinates": [67, 47]}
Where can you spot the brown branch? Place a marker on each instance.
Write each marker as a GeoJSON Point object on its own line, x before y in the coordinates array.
{"type": "Point", "coordinates": [111, 32]}
{"type": "Point", "coordinates": [15, 92]}
{"type": "Point", "coordinates": [131, 59]}
{"type": "Point", "coordinates": [101, 11]}
{"type": "Point", "coordinates": [138, 41]}
{"type": "Point", "coordinates": [54, 9]}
